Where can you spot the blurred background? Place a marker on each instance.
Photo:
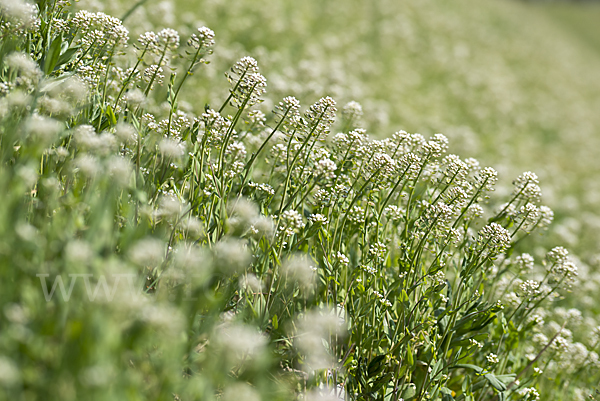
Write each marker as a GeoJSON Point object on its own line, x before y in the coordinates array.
{"type": "Point", "coordinates": [515, 84]}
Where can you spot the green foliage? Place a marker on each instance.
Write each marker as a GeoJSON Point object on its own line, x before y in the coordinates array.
{"type": "Point", "coordinates": [148, 252]}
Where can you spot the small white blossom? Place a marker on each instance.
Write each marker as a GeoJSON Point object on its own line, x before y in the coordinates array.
{"type": "Point", "coordinates": [494, 237]}
{"type": "Point", "coordinates": [342, 259]}
{"type": "Point", "coordinates": [204, 38]}
{"type": "Point", "coordinates": [492, 358]}
{"type": "Point", "coordinates": [291, 222]}
{"type": "Point", "coordinates": [529, 393]}
{"type": "Point", "coordinates": [352, 111]}
{"type": "Point", "coordinates": [378, 251]}
{"type": "Point", "coordinates": [318, 219]}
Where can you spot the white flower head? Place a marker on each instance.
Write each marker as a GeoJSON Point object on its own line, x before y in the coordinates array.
{"type": "Point", "coordinates": [492, 358]}
{"type": "Point", "coordinates": [20, 11]}
{"type": "Point", "coordinates": [342, 259]}
{"type": "Point", "coordinates": [126, 133]}
{"type": "Point", "coordinates": [301, 270]}
{"type": "Point", "coordinates": [23, 63]}
{"type": "Point", "coordinates": [135, 97]}
{"type": "Point", "coordinates": [171, 148]}
{"type": "Point", "coordinates": [291, 222]}
{"type": "Point", "coordinates": [352, 111]}
{"type": "Point", "coordinates": [529, 394]}
{"type": "Point", "coordinates": [9, 372]}
{"type": "Point", "coordinates": [42, 129]}
{"type": "Point", "coordinates": [239, 341]}
{"type": "Point", "coordinates": [169, 38]}
{"type": "Point", "coordinates": [527, 188]}
{"type": "Point", "coordinates": [231, 256]}
{"type": "Point", "coordinates": [494, 237]}
{"type": "Point", "coordinates": [120, 170]}
{"type": "Point", "coordinates": [204, 38]}
{"type": "Point", "coordinates": [314, 332]}
{"type": "Point", "coordinates": [148, 252]}
{"type": "Point", "coordinates": [524, 262]}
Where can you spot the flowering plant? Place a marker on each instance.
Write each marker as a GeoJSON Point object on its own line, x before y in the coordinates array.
{"type": "Point", "coordinates": [278, 256]}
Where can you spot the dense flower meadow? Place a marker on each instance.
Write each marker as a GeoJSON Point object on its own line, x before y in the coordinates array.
{"type": "Point", "coordinates": [150, 249]}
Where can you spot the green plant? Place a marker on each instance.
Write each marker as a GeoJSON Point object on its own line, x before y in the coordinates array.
{"type": "Point", "coordinates": [233, 254]}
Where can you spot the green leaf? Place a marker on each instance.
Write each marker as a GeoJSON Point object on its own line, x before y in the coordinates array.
{"type": "Point", "coordinates": [111, 116]}
{"type": "Point", "coordinates": [171, 96]}
{"type": "Point", "coordinates": [376, 366]}
{"type": "Point", "coordinates": [381, 382]}
{"type": "Point", "coordinates": [494, 382]}
{"type": "Point", "coordinates": [409, 393]}
{"type": "Point", "coordinates": [52, 55]}
{"type": "Point", "coordinates": [437, 367]}
{"type": "Point", "coordinates": [67, 56]}
{"type": "Point", "coordinates": [476, 368]}
{"type": "Point", "coordinates": [275, 322]}
{"type": "Point", "coordinates": [506, 379]}
{"type": "Point", "coordinates": [409, 355]}
{"type": "Point", "coordinates": [446, 394]}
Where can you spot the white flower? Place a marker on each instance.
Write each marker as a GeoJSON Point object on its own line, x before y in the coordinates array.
{"type": "Point", "coordinates": [530, 394]}
{"type": "Point", "coordinates": [239, 340]}
{"type": "Point", "coordinates": [557, 255]}
{"type": "Point", "coordinates": [546, 216]}
{"type": "Point", "coordinates": [492, 358]}
{"type": "Point", "coordinates": [135, 97]}
{"type": "Point", "coordinates": [231, 256]}
{"type": "Point", "coordinates": [566, 270]}
{"type": "Point", "coordinates": [126, 133]}
{"type": "Point", "coordinates": [24, 64]}
{"type": "Point", "coordinates": [86, 139]}
{"type": "Point", "coordinates": [9, 372]}
{"type": "Point", "coordinates": [251, 282]}
{"type": "Point", "coordinates": [455, 169]}
{"type": "Point", "coordinates": [88, 165]}
{"type": "Point", "coordinates": [248, 84]}
{"type": "Point", "coordinates": [43, 130]}
{"type": "Point", "coordinates": [527, 188]}
{"type": "Point", "coordinates": [240, 391]}
{"type": "Point", "coordinates": [314, 332]}
{"type": "Point", "coordinates": [352, 111]}
{"type": "Point", "coordinates": [394, 213]}
{"type": "Point", "coordinates": [171, 148]}
{"type": "Point", "coordinates": [486, 179]}
{"type": "Point", "coordinates": [325, 168]}
{"type": "Point", "coordinates": [148, 252]}
{"type": "Point", "coordinates": [291, 222]}
{"type": "Point", "coordinates": [434, 148]}
{"type": "Point", "coordinates": [318, 219]}
{"type": "Point", "coordinates": [19, 10]}
{"type": "Point", "coordinates": [204, 38]}
{"type": "Point", "coordinates": [494, 237]}
{"type": "Point", "coordinates": [321, 115]}
{"type": "Point", "coordinates": [169, 37]}
{"type": "Point", "coordinates": [524, 262]}
{"type": "Point", "coordinates": [149, 39]}
{"type": "Point", "coordinates": [169, 206]}
{"type": "Point", "coordinates": [530, 288]}
{"type": "Point", "coordinates": [301, 270]}
{"type": "Point", "coordinates": [154, 75]}
{"type": "Point", "coordinates": [120, 170]}
{"type": "Point", "coordinates": [342, 259]}
{"type": "Point", "coordinates": [378, 251]}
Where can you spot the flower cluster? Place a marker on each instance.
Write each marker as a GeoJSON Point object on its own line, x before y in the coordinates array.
{"type": "Point", "coordinates": [289, 245]}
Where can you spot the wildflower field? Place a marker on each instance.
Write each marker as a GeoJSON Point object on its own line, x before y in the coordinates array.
{"type": "Point", "coordinates": [229, 200]}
